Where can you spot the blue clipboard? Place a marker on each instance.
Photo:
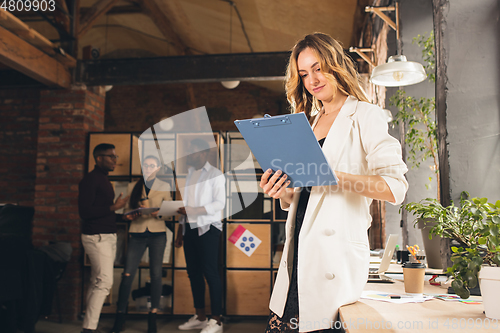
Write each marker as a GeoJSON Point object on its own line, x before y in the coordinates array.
{"type": "Point", "coordinates": [287, 143]}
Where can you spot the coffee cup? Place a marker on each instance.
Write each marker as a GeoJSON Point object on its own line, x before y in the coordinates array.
{"type": "Point", "coordinates": [414, 274]}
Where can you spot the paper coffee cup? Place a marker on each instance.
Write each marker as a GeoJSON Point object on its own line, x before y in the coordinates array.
{"type": "Point", "coordinates": [414, 274]}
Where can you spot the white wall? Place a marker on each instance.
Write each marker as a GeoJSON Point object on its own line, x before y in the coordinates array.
{"type": "Point", "coordinates": [472, 42]}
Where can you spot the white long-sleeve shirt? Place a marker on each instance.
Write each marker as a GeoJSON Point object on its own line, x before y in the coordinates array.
{"type": "Point", "coordinates": [206, 188]}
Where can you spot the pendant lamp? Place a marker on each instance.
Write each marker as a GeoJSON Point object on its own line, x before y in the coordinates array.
{"type": "Point", "coordinates": [398, 72]}
{"type": "Point", "coordinates": [230, 84]}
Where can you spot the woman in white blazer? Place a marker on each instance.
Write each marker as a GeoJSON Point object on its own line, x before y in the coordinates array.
{"type": "Point", "coordinates": [326, 253]}
{"type": "Point", "coordinates": [147, 231]}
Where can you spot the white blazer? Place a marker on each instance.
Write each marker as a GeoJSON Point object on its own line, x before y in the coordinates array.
{"type": "Point", "coordinates": [333, 252]}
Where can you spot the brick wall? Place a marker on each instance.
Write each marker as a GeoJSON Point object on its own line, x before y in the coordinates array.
{"type": "Point", "coordinates": [135, 108]}
{"type": "Point", "coordinates": [43, 147]}
{"type": "Point", "coordinates": [66, 117]}
{"type": "Point", "coordinates": [18, 144]}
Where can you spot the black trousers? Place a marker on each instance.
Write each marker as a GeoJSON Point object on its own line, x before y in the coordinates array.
{"type": "Point", "coordinates": [202, 261]}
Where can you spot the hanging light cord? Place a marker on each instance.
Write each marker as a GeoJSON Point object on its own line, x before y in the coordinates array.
{"type": "Point", "coordinates": [231, 30]}
{"type": "Point", "coordinates": [106, 38]}
{"type": "Point", "coordinates": [241, 21]}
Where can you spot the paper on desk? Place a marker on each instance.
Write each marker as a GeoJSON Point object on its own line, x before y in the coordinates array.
{"type": "Point", "coordinates": [427, 277]}
{"type": "Point", "coordinates": [386, 297]}
{"type": "Point", "coordinates": [455, 298]}
{"type": "Point", "coordinates": [169, 208]}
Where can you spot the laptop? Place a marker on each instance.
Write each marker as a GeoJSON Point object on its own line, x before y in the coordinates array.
{"type": "Point", "coordinates": [376, 274]}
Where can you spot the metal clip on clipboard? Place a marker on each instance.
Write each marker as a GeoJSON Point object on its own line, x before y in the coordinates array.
{"type": "Point", "coordinates": [271, 121]}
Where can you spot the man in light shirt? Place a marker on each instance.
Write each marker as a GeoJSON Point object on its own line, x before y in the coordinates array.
{"type": "Point", "coordinates": [199, 231]}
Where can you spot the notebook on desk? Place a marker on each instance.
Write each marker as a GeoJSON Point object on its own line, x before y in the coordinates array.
{"type": "Point", "coordinates": [376, 274]}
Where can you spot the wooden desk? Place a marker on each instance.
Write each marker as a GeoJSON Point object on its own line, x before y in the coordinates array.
{"type": "Point", "coordinates": [433, 316]}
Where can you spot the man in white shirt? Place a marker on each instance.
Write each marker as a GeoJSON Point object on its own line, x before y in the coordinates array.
{"type": "Point", "coordinates": [200, 229]}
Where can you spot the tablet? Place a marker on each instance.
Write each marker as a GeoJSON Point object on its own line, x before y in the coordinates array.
{"type": "Point", "coordinates": [142, 211]}
{"type": "Point", "coordinates": [287, 143]}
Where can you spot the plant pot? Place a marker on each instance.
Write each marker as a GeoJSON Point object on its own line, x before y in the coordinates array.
{"type": "Point", "coordinates": [489, 281]}
{"type": "Point", "coordinates": [432, 246]}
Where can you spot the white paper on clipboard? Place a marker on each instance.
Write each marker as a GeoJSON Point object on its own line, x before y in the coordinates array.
{"type": "Point", "coordinates": [287, 143]}
{"type": "Point", "coordinates": [169, 208]}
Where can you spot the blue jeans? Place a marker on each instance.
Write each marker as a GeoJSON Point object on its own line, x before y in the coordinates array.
{"type": "Point", "coordinates": [137, 244]}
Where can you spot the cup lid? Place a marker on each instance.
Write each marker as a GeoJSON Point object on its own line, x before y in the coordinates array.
{"type": "Point", "coordinates": [413, 265]}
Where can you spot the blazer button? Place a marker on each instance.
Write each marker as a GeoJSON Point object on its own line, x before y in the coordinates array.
{"type": "Point", "coordinates": [330, 276]}
{"type": "Point", "coordinates": [329, 232]}
{"type": "Point", "coordinates": [284, 263]}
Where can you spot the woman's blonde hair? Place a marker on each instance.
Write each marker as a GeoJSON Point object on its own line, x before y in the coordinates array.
{"type": "Point", "coordinates": [336, 66]}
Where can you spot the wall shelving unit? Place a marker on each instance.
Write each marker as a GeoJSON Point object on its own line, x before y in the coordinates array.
{"type": "Point", "coordinates": [247, 280]}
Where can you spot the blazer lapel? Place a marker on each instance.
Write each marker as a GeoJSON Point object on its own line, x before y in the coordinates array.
{"type": "Point", "coordinates": [153, 191]}
{"type": "Point", "coordinates": [339, 132]}
{"type": "Point", "coordinates": [333, 146]}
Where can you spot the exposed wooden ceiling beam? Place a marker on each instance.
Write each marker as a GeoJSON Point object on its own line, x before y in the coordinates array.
{"type": "Point", "coordinates": [163, 23]}
{"type": "Point", "coordinates": [60, 18]}
{"type": "Point", "coordinates": [30, 16]}
{"type": "Point", "coordinates": [22, 30]}
{"type": "Point", "coordinates": [29, 60]}
{"type": "Point", "coordinates": [96, 11]}
{"type": "Point", "coordinates": [184, 69]}
{"type": "Point", "coordinates": [116, 10]}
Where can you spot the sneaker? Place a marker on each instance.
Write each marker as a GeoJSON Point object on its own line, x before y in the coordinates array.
{"type": "Point", "coordinates": [212, 327]}
{"type": "Point", "coordinates": [193, 323]}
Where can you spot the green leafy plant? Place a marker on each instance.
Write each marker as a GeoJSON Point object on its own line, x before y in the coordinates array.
{"type": "Point", "coordinates": [475, 226]}
{"type": "Point", "coordinates": [418, 114]}
{"type": "Point", "coordinates": [427, 45]}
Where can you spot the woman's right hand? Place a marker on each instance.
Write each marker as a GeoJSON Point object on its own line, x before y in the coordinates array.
{"type": "Point", "coordinates": [276, 187]}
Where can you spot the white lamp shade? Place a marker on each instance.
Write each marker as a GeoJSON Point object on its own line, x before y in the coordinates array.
{"type": "Point", "coordinates": [398, 72]}
{"type": "Point", "coordinates": [230, 84]}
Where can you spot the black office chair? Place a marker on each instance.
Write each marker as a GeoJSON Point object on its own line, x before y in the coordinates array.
{"type": "Point", "coordinates": [60, 254]}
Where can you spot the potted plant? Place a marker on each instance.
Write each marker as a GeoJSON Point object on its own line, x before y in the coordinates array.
{"type": "Point", "coordinates": [475, 226]}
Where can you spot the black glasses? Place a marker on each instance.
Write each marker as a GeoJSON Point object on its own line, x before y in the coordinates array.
{"type": "Point", "coordinates": [113, 157]}
{"type": "Point", "coordinates": [149, 166]}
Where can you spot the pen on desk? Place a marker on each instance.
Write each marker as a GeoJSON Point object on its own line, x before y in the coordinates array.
{"type": "Point", "coordinates": [395, 296]}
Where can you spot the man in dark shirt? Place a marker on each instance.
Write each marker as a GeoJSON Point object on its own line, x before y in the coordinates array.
{"type": "Point", "coordinates": [97, 207]}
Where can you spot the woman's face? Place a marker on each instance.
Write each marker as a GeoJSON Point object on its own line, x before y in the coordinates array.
{"type": "Point", "coordinates": [149, 167]}
{"type": "Point", "coordinates": [313, 79]}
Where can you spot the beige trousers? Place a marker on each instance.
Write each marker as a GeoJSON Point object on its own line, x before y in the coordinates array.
{"type": "Point", "coordinates": [101, 249]}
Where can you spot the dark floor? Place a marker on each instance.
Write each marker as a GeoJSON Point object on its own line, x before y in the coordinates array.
{"type": "Point", "coordinates": [138, 324]}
